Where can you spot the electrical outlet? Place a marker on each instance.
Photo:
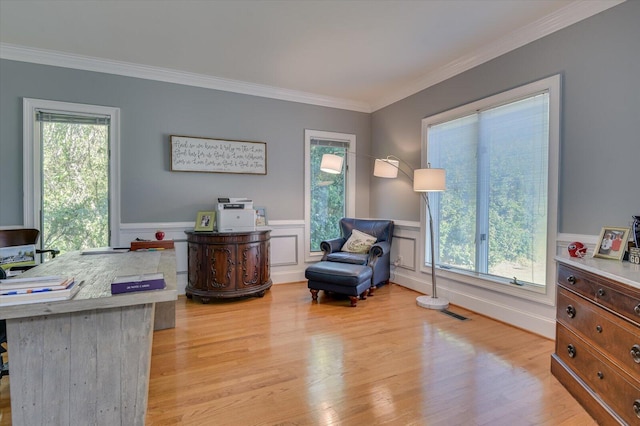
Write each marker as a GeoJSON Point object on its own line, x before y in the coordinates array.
{"type": "Point", "coordinates": [398, 261]}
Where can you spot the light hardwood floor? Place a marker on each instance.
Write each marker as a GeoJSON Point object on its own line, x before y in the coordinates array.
{"type": "Point", "coordinates": [282, 360]}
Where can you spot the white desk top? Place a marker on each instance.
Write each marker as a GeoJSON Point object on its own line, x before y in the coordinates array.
{"type": "Point", "coordinates": [98, 271]}
{"type": "Point", "coordinates": [623, 272]}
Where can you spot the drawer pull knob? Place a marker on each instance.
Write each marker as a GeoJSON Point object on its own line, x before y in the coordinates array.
{"type": "Point", "coordinates": [571, 279]}
{"type": "Point", "coordinates": [600, 375]}
{"type": "Point", "coordinates": [572, 351]}
{"type": "Point", "coordinates": [636, 407]}
{"type": "Point", "coordinates": [635, 353]}
{"type": "Point", "coordinates": [599, 328]}
{"type": "Point", "coordinates": [571, 311]}
{"type": "Point", "coordinates": [637, 309]}
{"type": "Point", "coordinates": [601, 292]}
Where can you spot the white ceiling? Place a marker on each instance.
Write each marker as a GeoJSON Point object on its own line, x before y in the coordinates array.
{"type": "Point", "coordinates": [360, 55]}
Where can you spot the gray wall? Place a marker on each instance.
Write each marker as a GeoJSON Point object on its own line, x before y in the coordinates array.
{"type": "Point", "coordinates": [599, 59]}
{"type": "Point", "coordinates": [150, 112]}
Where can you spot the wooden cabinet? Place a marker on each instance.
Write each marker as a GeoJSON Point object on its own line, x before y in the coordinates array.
{"type": "Point", "coordinates": [230, 264]}
{"type": "Point", "coordinates": [597, 356]}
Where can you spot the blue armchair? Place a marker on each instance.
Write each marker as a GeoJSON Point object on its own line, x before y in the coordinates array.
{"type": "Point", "coordinates": [378, 258]}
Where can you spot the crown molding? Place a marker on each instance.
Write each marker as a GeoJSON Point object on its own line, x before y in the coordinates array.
{"type": "Point", "coordinates": [568, 15]}
{"type": "Point", "coordinates": [86, 63]}
{"type": "Point", "coordinates": [562, 18]}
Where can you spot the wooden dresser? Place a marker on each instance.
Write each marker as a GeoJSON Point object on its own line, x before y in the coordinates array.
{"type": "Point", "coordinates": [228, 264]}
{"type": "Point", "coordinates": [597, 355]}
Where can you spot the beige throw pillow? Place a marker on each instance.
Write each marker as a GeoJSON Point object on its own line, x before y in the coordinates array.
{"type": "Point", "coordinates": [359, 242]}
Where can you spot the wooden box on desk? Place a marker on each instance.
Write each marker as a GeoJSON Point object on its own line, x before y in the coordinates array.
{"type": "Point", "coordinates": [164, 244]}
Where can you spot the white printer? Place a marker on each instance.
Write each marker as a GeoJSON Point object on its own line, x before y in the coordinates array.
{"type": "Point", "coordinates": [235, 215]}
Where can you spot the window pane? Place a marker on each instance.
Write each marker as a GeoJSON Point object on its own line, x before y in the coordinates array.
{"type": "Point", "coordinates": [453, 147]}
{"type": "Point", "coordinates": [492, 219]}
{"type": "Point", "coordinates": [515, 138]}
{"type": "Point", "coordinates": [75, 185]}
{"type": "Point", "coordinates": [328, 194]}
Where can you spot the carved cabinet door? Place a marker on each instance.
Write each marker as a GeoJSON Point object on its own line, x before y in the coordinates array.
{"type": "Point", "coordinates": [249, 267]}
{"type": "Point", "coordinates": [195, 266]}
{"type": "Point", "coordinates": [221, 260]}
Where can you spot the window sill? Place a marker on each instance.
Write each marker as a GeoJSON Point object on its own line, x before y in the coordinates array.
{"type": "Point", "coordinates": [530, 292]}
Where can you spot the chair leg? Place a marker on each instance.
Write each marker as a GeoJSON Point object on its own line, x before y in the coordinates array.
{"type": "Point", "coordinates": [364, 294]}
{"type": "Point", "coordinates": [314, 294]}
{"type": "Point", "coordinates": [354, 301]}
{"type": "Point", "coordinates": [371, 290]}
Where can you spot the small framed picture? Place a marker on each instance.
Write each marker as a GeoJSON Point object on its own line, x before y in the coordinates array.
{"type": "Point", "coordinates": [261, 216]}
{"type": "Point", "coordinates": [612, 243]}
{"type": "Point", "coordinates": [205, 221]}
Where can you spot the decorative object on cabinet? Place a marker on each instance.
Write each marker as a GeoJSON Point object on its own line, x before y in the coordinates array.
{"type": "Point", "coordinates": [576, 249]}
{"type": "Point", "coordinates": [612, 243]}
{"type": "Point", "coordinates": [192, 154]}
{"type": "Point", "coordinates": [636, 230]}
{"type": "Point", "coordinates": [205, 221]}
{"type": "Point", "coordinates": [597, 356]}
{"type": "Point", "coordinates": [228, 264]}
{"type": "Point", "coordinates": [261, 216]}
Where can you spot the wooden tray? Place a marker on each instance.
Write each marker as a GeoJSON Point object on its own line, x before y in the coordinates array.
{"type": "Point", "coordinates": [165, 244]}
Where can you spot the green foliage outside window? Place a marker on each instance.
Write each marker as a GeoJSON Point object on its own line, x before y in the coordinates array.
{"type": "Point", "coordinates": [75, 186]}
{"type": "Point", "coordinates": [328, 194]}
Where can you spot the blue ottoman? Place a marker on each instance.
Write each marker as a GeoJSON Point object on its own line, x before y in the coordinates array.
{"type": "Point", "coordinates": [342, 278]}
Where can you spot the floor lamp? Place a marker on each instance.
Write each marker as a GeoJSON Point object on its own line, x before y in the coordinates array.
{"type": "Point", "coordinates": [424, 181]}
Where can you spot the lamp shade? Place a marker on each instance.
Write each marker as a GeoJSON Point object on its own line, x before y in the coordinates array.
{"type": "Point", "coordinates": [386, 168]}
{"type": "Point", "coordinates": [331, 163]}
{"type": "Point", "coordinates": [429, 180]}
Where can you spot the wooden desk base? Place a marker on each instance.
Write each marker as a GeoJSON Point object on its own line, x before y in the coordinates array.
{"type": "Point", "coordinates": [71, 348]}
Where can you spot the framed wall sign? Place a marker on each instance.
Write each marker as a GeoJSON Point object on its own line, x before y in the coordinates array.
{"type": "Point", "coordinates": [190, 154]}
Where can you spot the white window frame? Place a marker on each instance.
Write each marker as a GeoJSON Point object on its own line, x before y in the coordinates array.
{"type": "Point", "coordinates": [350, 180]}
{"type": "Point", "coordinates": [546, 294]}
{"type": "Point", "coordinates": [32, 159]}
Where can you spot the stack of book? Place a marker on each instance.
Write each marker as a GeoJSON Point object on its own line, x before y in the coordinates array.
{"type": "Point", "coordinates": [20, 291]}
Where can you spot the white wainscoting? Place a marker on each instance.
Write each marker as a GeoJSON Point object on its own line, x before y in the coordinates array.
{"type": "Point", "coordinates": [288, 265]}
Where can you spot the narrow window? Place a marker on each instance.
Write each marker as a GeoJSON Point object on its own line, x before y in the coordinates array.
{"type": "Point", "coordinates": [70, 173]}
{"type": "Point", "coordinates": [329, 197]}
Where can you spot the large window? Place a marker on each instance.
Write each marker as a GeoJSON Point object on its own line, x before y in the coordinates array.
{"type": "Point", "coordinates": [329, 197]}
{"type": "Point", "coordinates": [71, 173]}
{"type": "Point", "coordinates": [497, 218]}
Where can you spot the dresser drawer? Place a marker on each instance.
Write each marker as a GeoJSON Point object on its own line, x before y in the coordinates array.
{"type": "Point", "coordinates": [624, 301]}
{"type": "Point", "coordinates": [620, 393]}
{"type": "Point", "coordinates": [619, 339]}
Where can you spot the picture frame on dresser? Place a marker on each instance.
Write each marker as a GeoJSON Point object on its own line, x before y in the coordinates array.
{"type": "Point", "coordinates": [261, 216]}
{"type": "Point", "coordinates": [205, 221]}
{"type": "Point", "coordinates": [612, 242]}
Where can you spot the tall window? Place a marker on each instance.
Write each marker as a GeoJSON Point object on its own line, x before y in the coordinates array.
{"type": "Point", "coordinates": [71, 173]}
{"type": "Point", "coordinates": [329, 197]}
{"type": "Point", "coordinates": [75, 180]}
{"type": "Point", "coordinates": [497, 218]}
